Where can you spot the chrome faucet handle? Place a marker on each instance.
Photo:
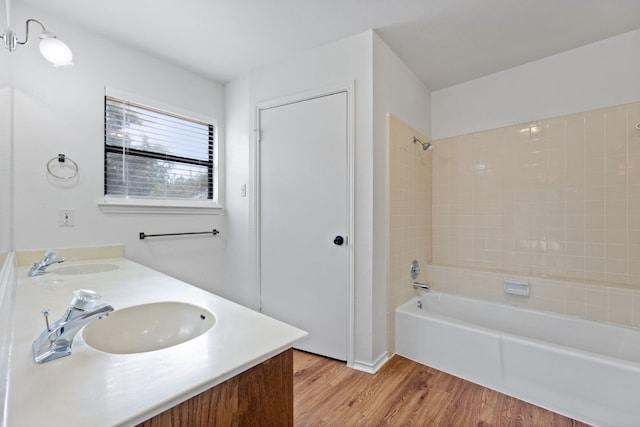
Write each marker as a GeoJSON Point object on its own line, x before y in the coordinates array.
{"type": "Point", "coordinates": [84, 299]}
{"type": "Point", "coordinates": [45, 313]}
{"type": "Point", "coordinates": [49, 255]}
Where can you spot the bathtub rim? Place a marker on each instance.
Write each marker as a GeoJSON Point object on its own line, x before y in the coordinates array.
{"type": "Point", "coordinates": [410, 308]}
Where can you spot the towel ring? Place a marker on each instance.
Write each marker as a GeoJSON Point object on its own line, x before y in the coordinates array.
{"type": "Point", "coordinates": [61, 158]}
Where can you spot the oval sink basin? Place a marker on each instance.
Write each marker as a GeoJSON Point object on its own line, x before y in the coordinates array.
{"type": "Point", "coordinates": [148, 327]}
{"type": "Point", "coordinates": [85, 269]}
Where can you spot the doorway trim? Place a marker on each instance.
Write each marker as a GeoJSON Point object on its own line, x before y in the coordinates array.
{"type": "Point", "coordinates": [254, 201]}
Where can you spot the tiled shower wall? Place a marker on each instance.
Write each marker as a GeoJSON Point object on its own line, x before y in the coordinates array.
{"type": "Point", "coordinates": [558, 198]}
{"type": "Point", "coordinates": [409, 189]}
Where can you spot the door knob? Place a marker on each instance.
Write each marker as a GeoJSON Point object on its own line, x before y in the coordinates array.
{"type": "Point", "coordinates": [339, 240]}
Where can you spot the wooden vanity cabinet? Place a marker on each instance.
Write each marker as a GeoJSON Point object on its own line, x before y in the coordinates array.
{"type": "Point", "coordinates": [260, 396]}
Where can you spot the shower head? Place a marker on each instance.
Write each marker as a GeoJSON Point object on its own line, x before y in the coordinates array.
{"type": "Point", "coordinates": [425, 145]}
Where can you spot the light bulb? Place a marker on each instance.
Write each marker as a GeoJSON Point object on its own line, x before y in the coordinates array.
{"type": "Point", "coordinates": [55, 51]}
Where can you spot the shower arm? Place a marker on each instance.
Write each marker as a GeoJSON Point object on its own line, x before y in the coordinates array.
{"type": "Point", "coordinates": [425, 145]}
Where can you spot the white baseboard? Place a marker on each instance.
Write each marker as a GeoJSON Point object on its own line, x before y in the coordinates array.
{"type": "Point", "coordinates": [371, 368]}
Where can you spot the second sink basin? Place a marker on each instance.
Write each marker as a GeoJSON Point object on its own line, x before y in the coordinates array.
{"type": "Point", "coordinates": [148, 327]}
{"type": "Point", "coordinates": [84, 269]}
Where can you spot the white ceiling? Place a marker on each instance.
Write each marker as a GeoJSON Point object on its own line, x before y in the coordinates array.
{"type": "Point", "coordinates": [445, 42]}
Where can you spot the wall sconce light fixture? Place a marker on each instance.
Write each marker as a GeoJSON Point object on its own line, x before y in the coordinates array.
{"type": "Point", "coordinates": [54, 50]}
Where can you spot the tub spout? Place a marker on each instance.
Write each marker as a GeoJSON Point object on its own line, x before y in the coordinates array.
{"type": "Point", "coordinates": [421, 286]}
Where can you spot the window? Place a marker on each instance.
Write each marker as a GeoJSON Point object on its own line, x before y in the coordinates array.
{"type": "Point", "coordinates": [157, 157]}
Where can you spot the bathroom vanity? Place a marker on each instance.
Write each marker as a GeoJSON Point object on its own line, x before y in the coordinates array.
{"type": "Point", "coordinates": [238, 372]}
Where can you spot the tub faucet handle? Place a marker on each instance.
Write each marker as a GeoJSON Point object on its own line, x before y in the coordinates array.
{"type": "Point", "coordinates": [414, 269]}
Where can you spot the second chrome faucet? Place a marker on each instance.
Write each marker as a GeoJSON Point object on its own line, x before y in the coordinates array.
{"type": "Point", "coordinates": [50, 257]}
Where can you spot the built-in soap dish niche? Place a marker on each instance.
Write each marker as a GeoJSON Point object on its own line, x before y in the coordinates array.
{"type": "Point", "coordinates": [516, 287]}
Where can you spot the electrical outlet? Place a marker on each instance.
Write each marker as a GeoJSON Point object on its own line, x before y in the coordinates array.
{"type": "Point", "coordinates": [66, 217]}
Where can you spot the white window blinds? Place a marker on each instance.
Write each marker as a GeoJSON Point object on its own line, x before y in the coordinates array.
{"type": "Point", "coordinates": [157, 155]}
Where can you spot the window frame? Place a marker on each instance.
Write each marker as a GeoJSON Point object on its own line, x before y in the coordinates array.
{"type": "Point", "coordinates": [123, 204]}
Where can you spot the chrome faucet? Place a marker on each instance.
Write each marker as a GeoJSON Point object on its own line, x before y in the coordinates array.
{"type": "Point", "coordinates": [421, 286]}
{"type": "Point", "coordinates": [56, 340]}
{"type": "Point", "coordinates": [50, 257]}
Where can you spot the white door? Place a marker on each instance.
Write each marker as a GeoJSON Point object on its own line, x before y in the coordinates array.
{"type": "Point", "coordinates": [303, 204]}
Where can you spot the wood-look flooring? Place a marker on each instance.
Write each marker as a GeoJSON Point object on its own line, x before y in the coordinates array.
{"type": "Point", "coordinates": [403, 393]}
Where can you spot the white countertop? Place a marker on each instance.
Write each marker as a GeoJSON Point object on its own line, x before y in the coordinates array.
{"type": "Point", "coordinates": [92, 388]}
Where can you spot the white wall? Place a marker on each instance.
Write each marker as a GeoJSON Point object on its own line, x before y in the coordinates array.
{"type": "Point", "coordinates": [240, 253]}
{"type": "Point", "coordinates": [328, 66]}
{"type": "Point", "coordinates": [5, 154]}
{"type": "Point", "coordinates": [382, 83]}
{"type": "Point", "coordinates": [398, 90]}
{"type": "Point", "coordinates": [601, 74]}
{"type": "Point", "coordinates": [61, 111]}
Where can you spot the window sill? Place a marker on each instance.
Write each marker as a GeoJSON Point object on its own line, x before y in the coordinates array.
{"type": "Point", "coordinates": [124, 206]}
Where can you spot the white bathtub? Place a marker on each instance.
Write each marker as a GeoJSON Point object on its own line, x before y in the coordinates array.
{"type": "Point", "coordinates": [586, 370]}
